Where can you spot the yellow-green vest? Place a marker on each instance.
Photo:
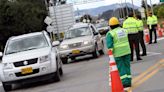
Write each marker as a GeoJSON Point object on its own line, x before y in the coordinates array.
{"type": "Point", "coordinates": [140, 25]}
{"type": "Point", "coordinates": [120, 42]}
{"type": "Point", "coordinates": [152, 20]}
{"type": "Point", "coordinates": [130, 25]}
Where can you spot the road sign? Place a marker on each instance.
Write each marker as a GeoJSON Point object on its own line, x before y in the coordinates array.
{"type": "Point", "coordinates": [48, 20]}
{"type": "Point", "coordinates": [50, 29]}
{"type": "Point", "coordinates": [142, 11]}
{"type": "Point", "coordinates": [161, 0]}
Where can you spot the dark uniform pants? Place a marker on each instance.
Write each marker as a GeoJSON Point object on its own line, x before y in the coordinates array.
{"type": "Point", "coordinates": [134, 42]}
{"type": "Point", "coordinates": [123, 65]}
{"type": "Point", "coordinates": [153, 29]}
{"type": "Point", "coordinates": [141, 41]}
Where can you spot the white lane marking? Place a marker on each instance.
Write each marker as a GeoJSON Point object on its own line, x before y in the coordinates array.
{"type": "Point", "coordinates": [153, 53]}
{"type": "Point", "coordinates": [160, 39]}
{"type": "Point", "coordinates": [150, 54]}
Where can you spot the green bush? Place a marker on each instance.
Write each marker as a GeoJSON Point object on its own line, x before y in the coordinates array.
{"type": "Point", "coordinates": [21, 16]}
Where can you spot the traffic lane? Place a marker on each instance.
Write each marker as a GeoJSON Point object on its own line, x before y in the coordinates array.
{"type": "Point", "coordinates": [152, 82]}
{"type": "Point", "coordinates": [158, 47]}
{"type": "Point", "coordinates": [82, 76]}
{"type": "Point", "coordinates": [78, 78]}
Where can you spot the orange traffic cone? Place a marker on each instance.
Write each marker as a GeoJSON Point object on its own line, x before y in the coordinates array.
{"type": "Point", "coordinates": [116, 84]}
{"type": "Point", "coordinates": [160, 33]}
{"type": "Point", "coordinates": [147, 38]}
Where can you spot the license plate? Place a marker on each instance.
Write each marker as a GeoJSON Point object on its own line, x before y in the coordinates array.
{"type": "Point", "coordinates": [75, 51]}
{"type": "Point", "coordinates": [26, 70]}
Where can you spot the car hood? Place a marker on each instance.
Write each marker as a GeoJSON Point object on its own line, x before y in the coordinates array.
{"type": "Point", "coordinates": [103, 28]}
{"type": "Point", "coordinates": [76, 40]}
{"type": "Point", "coordinates": [25, 55]}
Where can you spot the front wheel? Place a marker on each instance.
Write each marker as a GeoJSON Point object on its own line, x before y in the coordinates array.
{"type": "Point", "coordinates": [64, 60]}
{"type": "Point", "coordinates": [95, 53]}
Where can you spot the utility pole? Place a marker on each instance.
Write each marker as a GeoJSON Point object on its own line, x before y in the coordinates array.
{"type": "Point", "coordinates": [151, 7]}
{"type": "Point", "coordinates": [147, 12]}
{"type": "Point", "coordinates": [122, 7]}
{"type": "Point", "coordinates": [127, 12]}
{"type": "Point", "coordinates": [133, 8]}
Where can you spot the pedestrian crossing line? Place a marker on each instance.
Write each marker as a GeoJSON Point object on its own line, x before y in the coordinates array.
{"type": "Point", "coordinates": [146, 75]}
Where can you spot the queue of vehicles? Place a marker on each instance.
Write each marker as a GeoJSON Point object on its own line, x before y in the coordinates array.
{"type": "Point", "coordinates": [35, 57]}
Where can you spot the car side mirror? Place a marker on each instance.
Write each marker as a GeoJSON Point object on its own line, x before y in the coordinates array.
{"type": "Point", "coordinates": [60, 40]}
{"type": "Point", "coordinates": [55, 43]}
{"type": "Point", "coordinates": [1, 54]}
{"type": "Point", "coordinates": [95, 33]}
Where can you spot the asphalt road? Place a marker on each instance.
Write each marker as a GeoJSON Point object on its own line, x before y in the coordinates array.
{"type": "Point", "coordinates": [91, 75]}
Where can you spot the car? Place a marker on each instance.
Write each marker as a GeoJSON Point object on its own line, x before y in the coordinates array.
{"type": "Point", "coordinates": [102, 27]}
{"type": "Point", "coordinates": [81, 39]}
{"type": "Point", "coordinates": [30, 58]}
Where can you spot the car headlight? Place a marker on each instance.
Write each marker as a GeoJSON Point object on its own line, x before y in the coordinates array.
{"type": "Point", "coordinates": [7, 66]}
{"type": "Point", "coordinates": [44, 59]}
{"type": "Point", "coordinates": [87, 42]}
{"type": "Point", "coordinates": [64, 46]}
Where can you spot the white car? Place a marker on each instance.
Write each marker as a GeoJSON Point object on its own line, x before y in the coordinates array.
{"type": "Point", "coordinates": [28, 58]}
{"type": "Point", "coordinates": [81, 39]}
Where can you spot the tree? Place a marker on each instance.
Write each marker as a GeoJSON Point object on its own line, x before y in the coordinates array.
{"type": "Point", "coordinates": [21, 16]}
{"type": "Point", "coordinates": [161, 12]}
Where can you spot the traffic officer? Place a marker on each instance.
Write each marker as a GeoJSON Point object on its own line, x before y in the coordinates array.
{"type": "Point", "coordinates": [117, 41]}
{"type": "Point", "coordinates": [141, 35]}
{"type": "Point", "coordinates": [130, 24]}
{"type": "Point", "coordinates": [152, 24]}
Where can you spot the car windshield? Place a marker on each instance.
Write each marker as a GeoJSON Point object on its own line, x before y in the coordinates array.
{"type": "Point", "coordinates": [103, 24]}
{"type": "Point", "coordinates": [27, 43]}
{"type": "Point", "coordinates": [78, 32]}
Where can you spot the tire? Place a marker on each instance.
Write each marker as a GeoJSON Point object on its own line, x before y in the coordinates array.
{"type": "Point", "coordinates": [7, 87]}
{"type": "Point", "coordinates": [61, 71]}
{"type": "Point", "coordinates": [95, 53]}
{"type": "Point", "coordinates": [73, 58]}
{"type": "Point", "coordinates": [57, 76]}
{"type": "Point", "coordinates": [64, 60]}
{"type": "Point", "coordinates": [102, 51]}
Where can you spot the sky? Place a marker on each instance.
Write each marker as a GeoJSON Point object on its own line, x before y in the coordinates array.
{"type": "Point", "coordinates": [108, 2]}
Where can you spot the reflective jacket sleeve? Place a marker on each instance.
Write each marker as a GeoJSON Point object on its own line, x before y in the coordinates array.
{"type": "Point", "coordinates": [109, 41]}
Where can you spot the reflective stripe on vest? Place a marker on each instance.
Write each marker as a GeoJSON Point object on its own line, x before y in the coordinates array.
{"type": "Point", "coordinates": [125, 76]}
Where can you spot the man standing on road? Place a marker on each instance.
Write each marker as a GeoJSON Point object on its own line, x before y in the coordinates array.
{"type": "Point", "coordinates": [141, 35]}
{"type": "Point", "coordinates": [117, 41]}
{"type": "Point", "coordinates": [130, 24]}
{"type": "Point", "coordinates": [152, 24]}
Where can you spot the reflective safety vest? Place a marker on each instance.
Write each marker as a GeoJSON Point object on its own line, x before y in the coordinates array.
{"type": "Point", "coordinates": [130, 25]}
{"type": "Point", "coordinates": [140, 25]}
{"type": "Point", "coordinates": [120, 42]}
{"type": "Point", "coordinates": [152, 20]}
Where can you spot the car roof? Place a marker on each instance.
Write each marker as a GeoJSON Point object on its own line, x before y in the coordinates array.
{"type": "Point", "coordinates": [79, 25]}
{"type": "Point", "coordinates": [25, 35]}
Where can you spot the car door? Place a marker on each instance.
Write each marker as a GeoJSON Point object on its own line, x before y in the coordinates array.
{"type": "Point", "coordinates": [97, 37]}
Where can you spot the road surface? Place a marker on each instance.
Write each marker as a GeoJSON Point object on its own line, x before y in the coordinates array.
{"type": "Point", "coordinates": [91, 75]}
